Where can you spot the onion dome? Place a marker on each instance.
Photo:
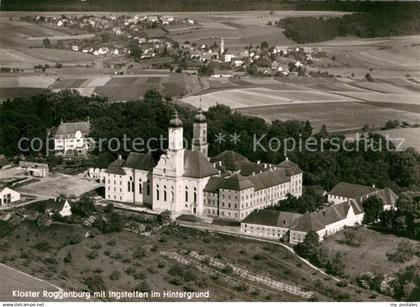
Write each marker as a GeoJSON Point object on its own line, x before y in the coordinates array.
{"type": "Point", "coordinates": [200, 117]}
{"type": "Point", "coordinates": [175, 122]}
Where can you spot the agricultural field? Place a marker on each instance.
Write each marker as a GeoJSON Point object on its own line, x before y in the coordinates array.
{"type": "Point", "coordinates": [116, 88]}
{"type": "Point", "coordinates": [128, 261]}
{"type": "Point", "coordinates": [21, 44]}
{"type": "Point", "coordinates": [14, 92]}
{"type": "Point", "coordinates": [339, 105]}
{"type": "Point", "coordinates": [371, 254]}
{"type": "Point", "coordinates": [132, 87]}
{"type": "Point", "coordinates": [258, 97]}
{"type": "Point", "coordinates": [344, 101]}
{"type": "Point", "coordinates": [404, 137]}
{"type": "Point", "coordinates": [239, 29]}
{"type": "Point", "coordinates": [410, 136]}
{"type": "Point", "coordinates": [336, 116]}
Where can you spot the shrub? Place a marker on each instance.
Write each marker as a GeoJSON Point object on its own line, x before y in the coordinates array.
{"type": "Point", "coordinates": [336, 266]}
{"type": "Point", "coordinates": [96, 246]}
{"type": "Point", "coordinates": [163, 239]}
{"type": "Point", "coordinates": [111, 242]}
{"type": "Point", "coordinates": [176, 281]}
{"type": "Point", "coordinates": [312, 250]}
{"type": "Point", "coordinates": [95, 283]}
{"type": "Point", "coordinates": [258, 257]}
{"type": "Point", "coordinates": [241, 287]}
{"type": "Point", "coordinates": [139, 253]}
{"type": "Point", "coordinates": [42, 246]}
{"type": "Point", "coordinates": [98, 270]}
{"type": "Point", "coordinates": [84, 207]}
{"type": "Point", "coordinates": [369, 77]}
{"type": "Point", "coordinates": [74, 239]}
{"type": "Point", "coordinates": [115, 275]}
{"type": "Point", "coordinates": [50, 260]}
{"type": "Point", "coordinates": [143, 287]}
{"type": "Point", "coordinates": [165, 217]}
{"type": "Point", "coordinates": [404, 252]}
{"type": "Point", "coordinates": [68, 257]}
{"type": "Point", "coordinates": [350, 239]}
{"type": "Point", "coordinates": [109, 208]}
{"type": "Point", "coordinates": [5, 229]}
{"type": "Point", "coordinates": [187, 273]}
{"type": "Point", "coordinates": [227, 269]}
{"type": "Point", "coordinates": [92, 255]}
{"type": "Point", "coordinates": [139, 275]}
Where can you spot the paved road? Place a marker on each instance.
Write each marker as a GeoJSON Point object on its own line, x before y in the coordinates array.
{"type": "Point", "coordinates": [12, 279]}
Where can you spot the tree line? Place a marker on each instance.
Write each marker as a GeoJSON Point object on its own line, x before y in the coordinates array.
{"type": "Point", "coordinates": [390, 20]}
{"type": "Point", "coordinates": [31, 117]}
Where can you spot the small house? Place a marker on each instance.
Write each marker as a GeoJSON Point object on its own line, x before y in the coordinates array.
{"type": "Point", "coordinates": [60, 206]}
{"type": "Point", "coordinates": [8, 196]}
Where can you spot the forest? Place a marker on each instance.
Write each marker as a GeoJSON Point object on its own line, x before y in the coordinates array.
{"type": "Point", "coordinates": [390, 20]}
{"type": "Point", "coordinates": [31, 117]}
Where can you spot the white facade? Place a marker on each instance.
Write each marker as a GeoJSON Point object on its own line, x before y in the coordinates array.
{"type": "Point", "coordinates": [173, 183]}
{"type": "Point", "coordinates": [182, 181]}
{"type": "Point", "coordinates": [336, 199]}
{"type": "Point", "coordinates": [8, 196]}
{"type": "Point", "coordinates": [351, 219]}
{"type": "Point", "coordinates": [263, 231]}
{"type": "Point", "coordinates": [72, 138]}
{"type": "Point", "coordinates": [237, 205]}
{"type": "Point", "coordinates": [66, 210]}
{"type": "Point", "coordinates": [343, 192]}
{"type": "Point", "coordinates": [273, 224]}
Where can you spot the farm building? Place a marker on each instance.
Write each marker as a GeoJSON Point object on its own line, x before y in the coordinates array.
{"type": "Point", "coordinates": [97, 173]}
{"type": "Point", "coordinates": [8, 196]}
{"type": "Point", "coordinates": [35, 169]}
{"type": "Point", "coordinates": [276, 224]}
{"type": "Point", "coordinates": [269, 223]}
{"type": "Point", "coordinates": [327, 221]}
{"type": "Point", "coordinates": [345, 210]}
{"type": "Point", "coordinates": [60, 206]}
{"type": "Point", "coordinates": [344, 191]}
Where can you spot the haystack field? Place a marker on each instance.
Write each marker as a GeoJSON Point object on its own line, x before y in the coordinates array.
{"type": "Point", "coordinates": [258, 97]}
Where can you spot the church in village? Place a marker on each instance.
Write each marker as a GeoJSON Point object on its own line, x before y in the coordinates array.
{"type": "Point", "coordinates": [185, 181]}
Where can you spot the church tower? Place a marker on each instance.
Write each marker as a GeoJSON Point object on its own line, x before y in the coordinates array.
{"type": "Point", "coordinates": [176, 143]}
{"type": "Point", "coordinates": [199, 142]}
{"type": "Point", "coordinates": [222, 46]}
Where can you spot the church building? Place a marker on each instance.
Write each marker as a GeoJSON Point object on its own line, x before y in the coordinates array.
{"type": "Point", "coordinates": [184, 181]}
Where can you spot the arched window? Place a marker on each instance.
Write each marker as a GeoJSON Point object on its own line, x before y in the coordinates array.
{"type": "Point", "coordinates": [140, 187]}
{"type": "Point", "coordinates": [148, 187]}
{"type": "Point", "coordinates": [186, 193]}
{"type": "Point", "coordinates": [164, 193]}
{"type": "Point", "coordinates": [157, 192]}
